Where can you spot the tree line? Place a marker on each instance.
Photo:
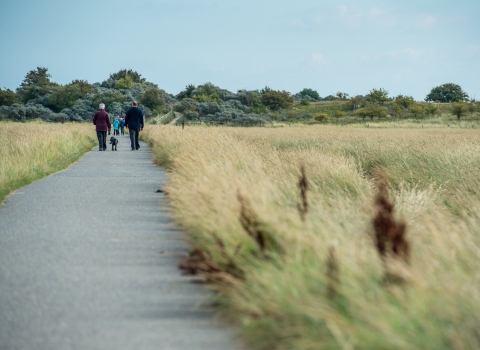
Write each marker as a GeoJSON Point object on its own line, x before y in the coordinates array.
{"type": "Point", "coordinates": [40, 97]}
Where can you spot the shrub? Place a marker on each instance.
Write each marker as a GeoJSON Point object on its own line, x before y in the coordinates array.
{"type": "Point", "coordinates": [304, 102]}
{"type": "Point", "coordinates": [431, 109]}
{"type": "Point", "coordinates": [8, 97]}
{"type": "Point", "coordinates": [276, 99]}
{"type": "Point", "coordinates": [321, 117]}
{"type": "Point", "coordinates": [312, 94]}
{"type": "Point", "coordinates": [338, 114]}
{"type": "Point", "coordinates": [416, 109]}
{"type": "Point", "coordinates": [66, 96]}
{"type": "Point", "coordinates": [377, 96]}
{"type": "Point", "coordinates": [153, 98]}
{"type": "Point", "coordinates": [459, 109]}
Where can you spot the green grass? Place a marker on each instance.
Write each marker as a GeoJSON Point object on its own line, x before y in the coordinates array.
{"type": "Point", "coordinates": [30, 151]}
{"type": "Point", "coordinates": [282, 299]}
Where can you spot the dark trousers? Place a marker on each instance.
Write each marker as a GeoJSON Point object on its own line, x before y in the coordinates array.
{"type": "Point", "coordinates": [134, 137]}
{"type": "Point", "coordinates": [102, 140]}
{"type": "Point", "coordinates": [123, 130]}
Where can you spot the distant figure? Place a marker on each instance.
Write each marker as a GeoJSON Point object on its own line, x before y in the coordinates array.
{"type": "Point", "coordinates": [134, 122]}
{"type": "Point", "coordinates": [101, 120]}
{"type": "Point", "coordinates": [115, 126]}
{"type": "Point", "coordinates": [122, 126]}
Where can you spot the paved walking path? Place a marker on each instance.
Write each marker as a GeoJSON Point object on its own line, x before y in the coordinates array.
{"type": "Point", "coordinates": [178, 115]}
{"type": "Point", "coordinates": [88, 261]}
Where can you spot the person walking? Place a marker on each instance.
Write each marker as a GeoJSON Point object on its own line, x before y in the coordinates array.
{"type": "Point", "coordinates": [115, 126]}
{"type": "Point", "coordinates": [134, 123]}
{"type": "Point", "coordinates": [101, 120]}
{"type": "Point", "coordinates": [122, 126]}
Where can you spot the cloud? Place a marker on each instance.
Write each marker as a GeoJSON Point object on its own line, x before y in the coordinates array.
{"type": "Point", "coordinates": [411, 54]}
{"type": "Point", "coordinates": [317, 58]}
{"type": "Point", "coordinates": [425, 21]}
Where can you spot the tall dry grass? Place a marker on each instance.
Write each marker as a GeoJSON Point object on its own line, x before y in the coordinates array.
{"type": "Point", "coordinates": [321, 284]}
{"type": "Point", "coordinates": [29, 151]}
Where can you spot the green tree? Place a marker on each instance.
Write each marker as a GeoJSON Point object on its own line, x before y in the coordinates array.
{"type": "Point", "coordinates": [416, 110]}
{"type": "Point", "coordinates": [404, 101]}
{"type": "Point", "coordinates": [311, 93]}
{"type": "Point", "coordinates": [124, 83]}
{"type": "Point", "coordinates": [342, 95]}
{"type": "Point", "coordinates": [265, 90]}
{"type": "Point", "coordinates": [66, 96]}
{"type": "Point", "coordinates": [472, 107]}
{"type": "Point", "coordinates": [371, 112]}
{"type": "Point", "coordinates": [35, 84]}
{"type": "Point", "coordinates": [276, 99]}
{"type": "Point", "coordinates": [108, 99]}
{"type": "Point", "coordinates": [431, 109]}
{"type": "Point", "coordinates": [152, 98]}
{"type": "Point", "coordinates": [459, 109]}
{"type": "Point", "coordinates": [124, 73]}
{"type": "Point", "coordinates": [8, 97]}
{"type": "Point", "coordinates": [187, 93]}
{"type": "Point", "coordinates": [396, 110]}
{"type": "Point", "coordinates": [355, 103]}
{"type": "Point", "coordinates": [377, 96]}
{"type": "Point", "coordinates": [447, 93]}
{"type": "Point", "coordinates": [207, 98]}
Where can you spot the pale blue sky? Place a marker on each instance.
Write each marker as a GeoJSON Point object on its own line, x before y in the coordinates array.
{"type": "Point", "coordinates": [404, 46]}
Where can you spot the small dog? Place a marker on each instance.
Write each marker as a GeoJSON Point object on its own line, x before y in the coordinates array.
{"type": "Point", "coordinates": [114, 143]}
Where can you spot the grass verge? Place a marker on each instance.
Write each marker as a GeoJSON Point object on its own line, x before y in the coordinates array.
{"type": "Point", "coordinates": [30, 151]}
{"type": "Point", "coordinates": [310, 276]}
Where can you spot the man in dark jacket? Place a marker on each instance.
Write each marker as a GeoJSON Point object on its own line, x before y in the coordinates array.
{"type": "Point", "coordinates": [134, 123]}
{"type": "Point", "coordinates": [101, 120]}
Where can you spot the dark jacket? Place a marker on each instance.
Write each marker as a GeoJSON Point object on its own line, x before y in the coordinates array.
{"type": "Point", "coordinates": [122, 123]}
{"type": "Point", "coordinates": [134, 118]}
{"type": "Point", "coordinates": [101, 120]}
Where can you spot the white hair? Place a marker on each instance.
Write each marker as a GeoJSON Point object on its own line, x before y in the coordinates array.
{"type": "Point", "coordinates": [101, 106]}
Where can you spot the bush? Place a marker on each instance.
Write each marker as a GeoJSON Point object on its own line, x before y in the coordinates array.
{"type": "Point", "coordinates": [304, 102]}
{"type": "Point", "coordinates": [309, 94]}
{"type": "Point", "coordinates": [66, 96]}
{"type": "Point", "coordinates": [8, 97]}
{"type": "Point", "coordinates": [416, 109]}
{"type": "Point", "coordinates": [152, 98]}
{"type": "Point", "coordinates": [276, 99]}
{"type": "Point", "coordinates": [321, 117]}
{"type": "Point", "coordinates": [338, 114]}
{"type": "Point", "coordinates": [459, 109]}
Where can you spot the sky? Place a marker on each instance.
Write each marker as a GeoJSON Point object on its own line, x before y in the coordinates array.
{"type": "Point", "coordinates": [406, 47]}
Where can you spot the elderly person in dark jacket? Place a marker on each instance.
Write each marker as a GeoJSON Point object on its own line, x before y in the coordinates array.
{"type": "Point", "coordinates": [101, 120]}
{"type": "Point", "coordinates": [134, 122]}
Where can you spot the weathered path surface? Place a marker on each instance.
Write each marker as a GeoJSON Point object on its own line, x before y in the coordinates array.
{"type": "Point", "coordinates": [178, 115]}
{"type": "Point", "coordinates": [88, 261]}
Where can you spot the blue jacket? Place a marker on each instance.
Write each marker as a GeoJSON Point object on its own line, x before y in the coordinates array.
{"type": "Point", "coordinates": [134, 118]}
{"type": "Point", "coordinates": [115, 124]}
{"type": "Point", "coordinates": [122, 123]}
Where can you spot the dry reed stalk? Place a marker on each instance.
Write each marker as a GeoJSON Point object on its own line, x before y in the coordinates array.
{"type": "Point", "coordinates": [199, 261]}
{"type": "Point", "coordinates": [303, 185]}
{"type": "Point", "coordinates": [255, 228]}
{"type": "Point", "coordinates": [333, 273]}
{"type": "Point", "coordinates": [390, 234]}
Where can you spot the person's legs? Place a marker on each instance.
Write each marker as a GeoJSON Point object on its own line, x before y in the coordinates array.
{"type": "Point", "coordinates": [104, 140]}
{"type": "Point", "coordinates": [137, 142]}
{"type": "Point", "coordinates": [123, 130]}
{"type": "Point", "coordinates": [132, 137]}
{"type": "Point", "coordinates": [100, 140]}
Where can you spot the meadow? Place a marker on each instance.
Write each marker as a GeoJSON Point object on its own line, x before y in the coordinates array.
{"type": "Point", "coordinates": [296, 258]}
{"type": "Point", "coordinates": [30, 151]}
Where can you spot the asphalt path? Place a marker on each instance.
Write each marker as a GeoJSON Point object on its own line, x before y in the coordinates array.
{"type": "Point", "coordinates": [88, 260]}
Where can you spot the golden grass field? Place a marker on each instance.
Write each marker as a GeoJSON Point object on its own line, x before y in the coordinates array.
{"type": "Point", "coordinates": [29, 151]}
{"type": "Point", "coordinates": [320, 283]}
